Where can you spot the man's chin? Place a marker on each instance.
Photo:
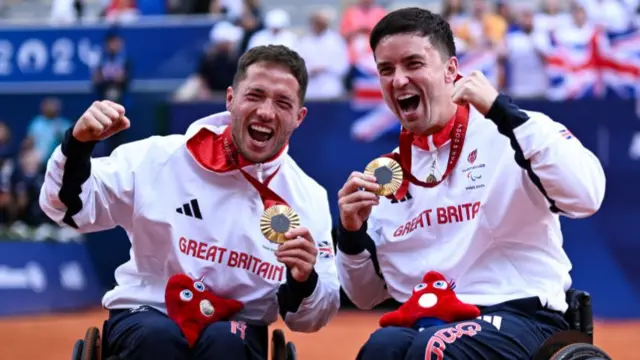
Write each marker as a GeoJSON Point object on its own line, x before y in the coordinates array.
{"type": "Point", "coordinates": [259, 156]}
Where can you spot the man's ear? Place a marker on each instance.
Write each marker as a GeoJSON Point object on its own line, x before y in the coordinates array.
{"type": "Point", "coordinates": [229, 98]}
{"type": "Point", "coordinates": [451, 70]}
{"type": "Point", "coordinates": [302, 114]}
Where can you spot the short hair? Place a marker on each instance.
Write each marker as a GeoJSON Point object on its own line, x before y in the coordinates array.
{"type": "Point", "coordinates": [276, 54]}
{"type": "Point", "coordinates": [413, 20]}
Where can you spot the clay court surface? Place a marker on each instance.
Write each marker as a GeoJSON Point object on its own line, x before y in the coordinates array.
{"type": "Point", "coordinates": [51, 337]}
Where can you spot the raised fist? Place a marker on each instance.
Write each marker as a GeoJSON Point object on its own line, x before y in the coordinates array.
{"type": "Point", "coordinates": [101, 120]}
{"type": "Point", "coordinates": [476, 90]}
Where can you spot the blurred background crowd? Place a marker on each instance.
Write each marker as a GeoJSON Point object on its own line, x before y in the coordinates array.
{"type": "Point", "coordinates": [529, 49]}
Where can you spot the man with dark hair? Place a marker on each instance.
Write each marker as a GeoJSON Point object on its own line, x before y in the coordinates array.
{"type": "Point", "coordinates": [225, 205]}
{"type": "Point", "coordinates": [480, 190]}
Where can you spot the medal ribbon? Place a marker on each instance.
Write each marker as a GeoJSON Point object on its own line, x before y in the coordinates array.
{"type": "Point", "coordinates": [403, 157]}
{"type": "Point", "coordinates": [269, 197]}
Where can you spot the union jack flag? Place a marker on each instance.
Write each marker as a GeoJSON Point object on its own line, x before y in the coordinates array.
{"type": "Point", "coordinates": [601, 65]}
{"type": "Point", "coordinates": [325, 250]}
{"type": "Point", "coordinates": [484, 60]}
{"type": "Point", "coordinates": [566, 134]}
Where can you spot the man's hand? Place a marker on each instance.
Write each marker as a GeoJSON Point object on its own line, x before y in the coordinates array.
{"type": "Point", "coordinates": [299, 253]}
{"type": "Point", "coordinates": [101, 120]}
{"type": "Point", "coordinates": [355, 205]}
{"type": "Point", "coordinates": [476, 90]}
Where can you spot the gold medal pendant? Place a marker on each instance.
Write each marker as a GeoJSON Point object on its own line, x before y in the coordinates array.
{"type": "Point", "coordinates": [276, 221]}
{"type": "Point", "coordinates": [431, 179]}
{"type": "Point", "coordinates": [388, 174]}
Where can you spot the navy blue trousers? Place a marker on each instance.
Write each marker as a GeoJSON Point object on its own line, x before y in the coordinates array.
{"type": "Point", "coordinates": [144, 333]}
{"type": "Point", "coordinates": [512, 330]}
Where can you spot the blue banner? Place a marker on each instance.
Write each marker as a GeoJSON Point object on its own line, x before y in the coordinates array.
{"type": "Point", "coordinates": [40, 58]}
{"type": "Point", "coordinates": [45, 277]}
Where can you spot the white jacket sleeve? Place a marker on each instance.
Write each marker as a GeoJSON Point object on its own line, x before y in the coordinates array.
{"type": "Point", "coordinates": [566, 173]}
{"type": "Point", "coordinates": [90, 194]}
{"type": "Point", "coordinates": [358, 267]}
{"type": "Point", "coordinates": [309, 306]}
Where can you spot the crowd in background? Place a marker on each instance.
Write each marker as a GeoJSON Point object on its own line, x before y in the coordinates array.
{"type": "Point", "coordinates": [514, 43]}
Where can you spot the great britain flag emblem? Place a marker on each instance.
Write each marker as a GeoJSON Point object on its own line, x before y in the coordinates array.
{"type": "Point", "coordinates": [566, 134]}
{"type": "Point", "coordinates": [325, 250]}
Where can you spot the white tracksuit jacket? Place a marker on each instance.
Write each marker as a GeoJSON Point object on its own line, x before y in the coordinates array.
{"type": "Point", "coordinates": [492, 226]}
{"type": "Point", "coordinates": [183, 218]}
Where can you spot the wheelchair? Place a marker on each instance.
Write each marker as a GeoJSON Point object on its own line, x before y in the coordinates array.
{"type": "Point", "coordinates": [577, 342]}
{"type": "Point", "coordinates": [91, 347]}
{"type": "Point", "coordinates": [573, 344]}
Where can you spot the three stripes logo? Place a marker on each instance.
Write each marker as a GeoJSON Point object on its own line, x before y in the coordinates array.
{"type": "Point", "coordinates": [492, 319]}
{"type": "Point", "coordinates": [190, 209]}
{"type": "Point", "coordinates": [405, 198]}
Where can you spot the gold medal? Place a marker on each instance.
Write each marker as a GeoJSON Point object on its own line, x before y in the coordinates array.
{"type": "Point", "coordinates": [276, 221]}
{"type": "Point", "coordinates": [388, 174]}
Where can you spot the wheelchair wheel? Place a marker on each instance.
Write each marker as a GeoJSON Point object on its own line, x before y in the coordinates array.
{"type": "Point", "coordinates": [77, 350]}
{"type": "Point", "coordinates": [291, 351]}
{"type": "Point", "coordinates": [278, 346]}
{"type": "Point", "coordinates": [91, 349]}
{"type": "Point", "coordinates": [580, 351]}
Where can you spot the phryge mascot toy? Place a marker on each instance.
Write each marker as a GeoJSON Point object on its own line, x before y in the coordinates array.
{"type": "Point", "coordinates": [193, 307]}
{"type": "Point", "coordinates": [433, 302]}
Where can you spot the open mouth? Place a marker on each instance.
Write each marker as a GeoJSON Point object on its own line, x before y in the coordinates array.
{"type": "Point", "coordinates": [260, 133]}
{"type": "Point", "coordinates": [408, 103]}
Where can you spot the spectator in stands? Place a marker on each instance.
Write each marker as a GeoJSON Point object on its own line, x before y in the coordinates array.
{"type": "Point", "coordinates": [551, 17]}
{"type": "Point", "coordinates": [112, 76]}
{"type": "Point", "coordinates": [524, 63]}
{"type": "Point", "coordinates": [614, 16]}
{"type": "Point", "coordinates": [122, 11]}
{"type": "Point", "coordinates": [360, 18]}
{"type": "Point", "coordinates": [217, 8]}
{"type": "Point", "coordinates": [325, 53]}
{"type": "Point", "coordinates": [454, 12]}
{"type": "Point", "coordinates": [233, 8]}
{"type": "Point", "coordinates": [575, 34]}
{"type": "Point", "coordinates": [66, 11]}
{"type": "Point", "coordinates": [6, 169]}
{"type": "Point", "coordinates": [218, 64]}
{"type": "Point", "coordinates": [276, 31]}
{"type": "Point", "coordinates": [202, 7]}
{"type": "Point", "coordinates": [250, 21]}
{"type": "Point", "coordinates": [503, 9]}
{"type": "Point", "coordinates": [46, 130]}
{"type": "Point", "coordinates": [26, 183]}
{"type": "Point", "coordinates": [483, 28]}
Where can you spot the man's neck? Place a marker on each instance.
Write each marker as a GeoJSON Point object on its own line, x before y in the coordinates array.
{"type": "Point", "coordinates": [444, 118]}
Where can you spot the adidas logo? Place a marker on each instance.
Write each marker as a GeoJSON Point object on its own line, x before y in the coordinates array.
{"type": "Point", "coordinates": [190, 209]}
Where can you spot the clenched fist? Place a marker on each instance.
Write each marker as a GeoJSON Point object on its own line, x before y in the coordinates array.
{"type": "Point", "coordinates": [356, 199]}
{"type": "Point", "coordinates": [476, 90]}
{"type": "Point", "coordinates": [101, 120]}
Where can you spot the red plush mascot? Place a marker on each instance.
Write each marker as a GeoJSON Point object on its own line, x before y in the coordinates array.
{"type": "Point", "coordinates": [433, 302]}
{"type": "Point", "coordinates": [193, 307]}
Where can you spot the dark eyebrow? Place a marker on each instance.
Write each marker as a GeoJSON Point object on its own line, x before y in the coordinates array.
{"type": "Point", "coordinates": [414, 57]}
{"type": "Point", "coordinates": [254, 89]}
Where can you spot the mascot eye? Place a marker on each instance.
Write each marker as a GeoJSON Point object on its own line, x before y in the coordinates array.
{"type": "Point", "coordinates": [440, 284]}
{"type": "Point", "coordinates": [419, 287]}
{"type": "Point", "coordinates": [198, 286]}
{"type": "Point", "coordinates": [186, 295]}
